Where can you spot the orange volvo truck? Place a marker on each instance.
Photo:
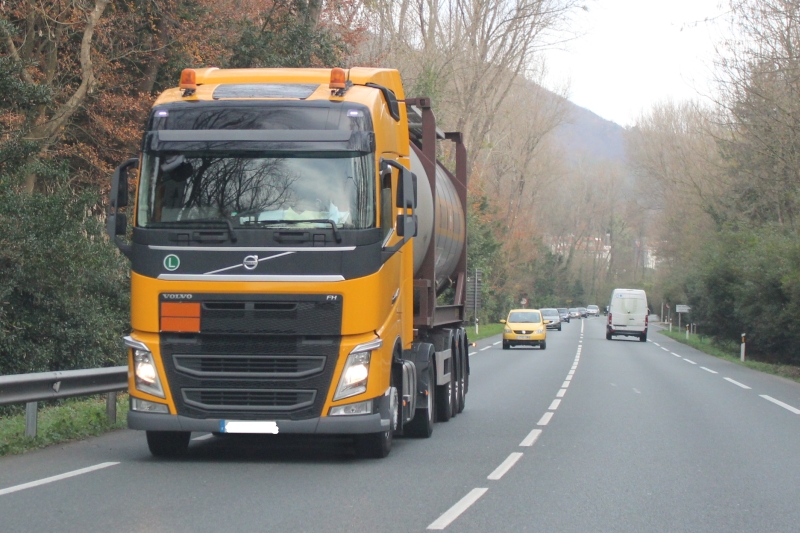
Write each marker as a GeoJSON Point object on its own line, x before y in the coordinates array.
{"type": "Point", "coordinates": [298, 260]}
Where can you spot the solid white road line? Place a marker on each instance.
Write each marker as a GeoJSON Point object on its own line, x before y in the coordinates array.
{"type": "Point", "coordinates": [486, 348]}
{"type": "Point", "coordinates": [742, 385]}
{"type": "Point", "coordinates": [582, 327]}
{"type": "Point", "coordinates": [689, 361]}
{"type": "Point", "coordinates": [545, 418]}
{"type": "Point", "coordinates": [565, 385]}
{"type": "Point", "coordinates": [561, 393]}
{"type": "Point", "coordinates": [531, 438]}
{"type": "Point", "coordinates": [505, 466]}
{"type": "Point", "coordinates": [778, 402]}
{"type": "Point", "coordinates": [455, 511]}
{"type": "Point", "coordinates": [554, 405]}
{"type": "Point", "coordinates": [498, 342]}
{"type": "Point", "coordinates": [709, 370]}
{"type": "Point", "coordinates": [204, 437]}
{"type": "Point", "coordinates": [59, 477]}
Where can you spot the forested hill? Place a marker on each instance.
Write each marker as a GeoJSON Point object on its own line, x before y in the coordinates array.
{"type": "Point", "coordinates": [587, 135]}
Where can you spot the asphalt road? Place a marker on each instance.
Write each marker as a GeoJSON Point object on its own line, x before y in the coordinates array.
{"type": "Point", "coordinates": [646, 437]}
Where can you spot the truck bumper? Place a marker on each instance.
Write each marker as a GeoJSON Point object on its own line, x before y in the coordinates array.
{"type": "Point", "coordinates": [328, 425]}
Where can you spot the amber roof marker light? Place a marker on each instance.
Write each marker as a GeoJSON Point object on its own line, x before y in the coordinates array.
{"type": "Point", "coordinates": [188, 81]}
{"type": "Point", "coordinates": [339, 82]}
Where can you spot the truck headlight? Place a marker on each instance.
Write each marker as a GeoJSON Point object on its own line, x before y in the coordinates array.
{"type": "Point", "coordinates": [144, 369]}
{"type": "Point", "coordinates": [356, 370]}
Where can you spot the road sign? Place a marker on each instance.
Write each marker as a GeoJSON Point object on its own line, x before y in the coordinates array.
{"type": "Point", "coordinates": [682, 308]}
{"type": "Point", "coordinates": [473, 300]}
{"type": "Point", "coordinates": [524, 301]}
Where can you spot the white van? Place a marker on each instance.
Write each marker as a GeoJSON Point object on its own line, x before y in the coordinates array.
{"type": "Point", "coordinates": [628, 314]}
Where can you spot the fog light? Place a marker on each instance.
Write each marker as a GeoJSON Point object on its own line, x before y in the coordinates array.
{"type": "Point", "coordinates": [360, 408]}
{"type": "Point", "coordinates": [148, 407]}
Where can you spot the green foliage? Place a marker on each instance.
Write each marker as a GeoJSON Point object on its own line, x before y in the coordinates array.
{"type": "Point", "coordinates": [286, 38]}
{"type": "Point", "coordinates": [749, 282]}
{"type": "Point", "coordinates": [63, 287]}
{"type": "Point", "coordinates": [68, 420]}
{"type": "Point", "coordinates": [483, 253]}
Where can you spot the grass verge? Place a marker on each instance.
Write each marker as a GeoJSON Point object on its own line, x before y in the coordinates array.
{"type": "Point", "coordinates": [731, 353]}
{"type": "Point", "coordinates": [484, 330]}
{"type": "Point", "coordinates": [72, 419]}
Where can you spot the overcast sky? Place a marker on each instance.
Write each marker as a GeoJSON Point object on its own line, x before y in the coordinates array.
{"type": "Point", "coordinates": [633, 53]}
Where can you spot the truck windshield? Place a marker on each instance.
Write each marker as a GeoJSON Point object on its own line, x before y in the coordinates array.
{"type": "Point", "coordinates": [250, 190]}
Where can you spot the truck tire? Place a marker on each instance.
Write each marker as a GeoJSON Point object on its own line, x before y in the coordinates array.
{"type": "Point", "coordinates": [444, 401]}
{"type": "Point", "coordinates": [168, 443]}
{"type": "Point", "coordinates": [462, 371]}
{"type": "Point", "coordinates": [421, 426]}
{"type": "Point", "coordinates": [378, 445]}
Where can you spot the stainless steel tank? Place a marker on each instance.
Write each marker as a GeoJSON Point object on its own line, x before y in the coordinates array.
{"type": "Point", "coordinates": [450, 231]}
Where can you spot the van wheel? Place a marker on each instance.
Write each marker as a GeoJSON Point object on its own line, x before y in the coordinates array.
{"type": "Point", "coordinates": [643, 337]}
{"type": "Point", "coordinates": [608, 335]}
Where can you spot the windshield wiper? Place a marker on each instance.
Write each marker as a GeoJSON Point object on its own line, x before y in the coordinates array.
{"type": "Point", "coordinates": [336, 234]}
{"type": "Point", "coordinates": [231, 232]}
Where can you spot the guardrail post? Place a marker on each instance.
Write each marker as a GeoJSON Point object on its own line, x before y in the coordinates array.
{"type": "Point", "coordinates": [31, 415]}
{"type": "Point", "coordinates": [111, 407]}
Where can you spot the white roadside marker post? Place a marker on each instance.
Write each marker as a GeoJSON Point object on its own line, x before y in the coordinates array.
{"type": "Point", "coordinates": [742, 353]}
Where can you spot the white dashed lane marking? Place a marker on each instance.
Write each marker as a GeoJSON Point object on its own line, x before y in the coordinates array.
{"type": "Point", "coordinates": [778, 402]}
{"type": "Point", "coordinates": [689, 361]}
{"type": "Point", "coordinates": [496, 343]}
{"type": "Point", "coordinates": [486, 348]}
{"type": "Point", "coordinates": [742, 385]}
{"type": "Point", "coordinates": [455, 511]}
{"type": "Point", "coordinates": [709, 370]}
{"type": "Point", "coordinates": [554, 405]}
{"type": "Point", "coordinates": [505, 466]}
{"type": "Point", "coordinates": [531, 438]}
{"type": "Point", "coordinates": [545, 418]}
{"type": "Point", "coordinates": [59, 477]}
{"type": "Point", "coordinates": [472, 353]}
{"type": "Point", "coordinates": [561, 393]}
{"type": "Point", "coordinates": [565, 385]}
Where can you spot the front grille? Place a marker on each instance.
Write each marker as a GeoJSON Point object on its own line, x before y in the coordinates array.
{"type": "Point", "coordinates": [522, 332]}
{"type": "Point", "coordinates": [244, 370]}
{"type": "Point", "coordinates": [249, 399]}
{"type": "Point", "coordinates": [304, 315]}
{"type": "Point", "coordinates": [249, 366]}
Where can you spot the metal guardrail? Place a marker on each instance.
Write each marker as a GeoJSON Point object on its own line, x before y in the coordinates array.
{"type": "Point", "coordinates": [33, 388]}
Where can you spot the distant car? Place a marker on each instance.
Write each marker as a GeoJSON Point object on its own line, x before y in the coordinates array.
{"type": "Point", "coordinates": [592, 310]}
{"type": "Point", "coordinates": [583, 311]}
{"type": "Point", "coordinates": [574, 312]}
{"type": "Point", "coordinates": [563, 312]}
{"type": "Point", "coordinates": [524, 327]}
{"type": "Point", "coordinates": [551, 318]}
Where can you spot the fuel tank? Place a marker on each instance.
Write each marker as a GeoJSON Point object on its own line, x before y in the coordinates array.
{"type": "Point", "coordinates": [441, 218]}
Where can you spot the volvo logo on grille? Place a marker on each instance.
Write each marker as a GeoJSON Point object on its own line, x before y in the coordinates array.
{"type": "Point", "coordinates": [250, 262]}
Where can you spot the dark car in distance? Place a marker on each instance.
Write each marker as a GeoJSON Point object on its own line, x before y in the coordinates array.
{"type": "Point", "coordinates": [563, 312]}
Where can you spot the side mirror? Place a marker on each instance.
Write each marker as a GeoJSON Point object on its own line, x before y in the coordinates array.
{"type": "Point", "coordinates": [502, 321]}
{"type": "Point", "coordinates": [116, 222]}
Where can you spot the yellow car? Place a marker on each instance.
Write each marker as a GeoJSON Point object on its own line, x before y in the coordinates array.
{"type": "Point", "coordinates": [524, 327]}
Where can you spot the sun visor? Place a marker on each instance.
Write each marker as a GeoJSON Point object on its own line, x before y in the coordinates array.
{"type": "Point", "coordinates": [260, 141]}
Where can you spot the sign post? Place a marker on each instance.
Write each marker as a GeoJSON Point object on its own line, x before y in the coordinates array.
{"type": "Point", "coordinates": [473, 303]}
{"type": "Point", "coordinates": [680, 309]}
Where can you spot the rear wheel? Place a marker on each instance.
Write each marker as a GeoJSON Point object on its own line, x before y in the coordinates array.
{"type": "Point", "coordinates": [168, 443]}
{"type": "Point", "coordinates": [421, 426]}
{"type": "Point", "coordinates": [444, 401]}
{"type": "Point", "coordinates": [643, 337]}
{"type": "Point", "coordinates": [608, 335]}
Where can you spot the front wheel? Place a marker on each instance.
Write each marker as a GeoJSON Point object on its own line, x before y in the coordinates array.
{"type": "Point", "coordinates": [378, 445]}
{"type": "Point", "coordinates": [168, 443]}
{"type": "Point", "coordinates": [505, 345]}
{"type": "Point", "coordinates": [543, 345]}
{"type": "Point", "coordinates": [559, 327]}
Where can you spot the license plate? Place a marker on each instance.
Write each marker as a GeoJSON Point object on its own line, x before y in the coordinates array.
{"type": "Point", "coordinates": [523, 337]}
{"type": "Point", "coordinates": [248, 426]}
